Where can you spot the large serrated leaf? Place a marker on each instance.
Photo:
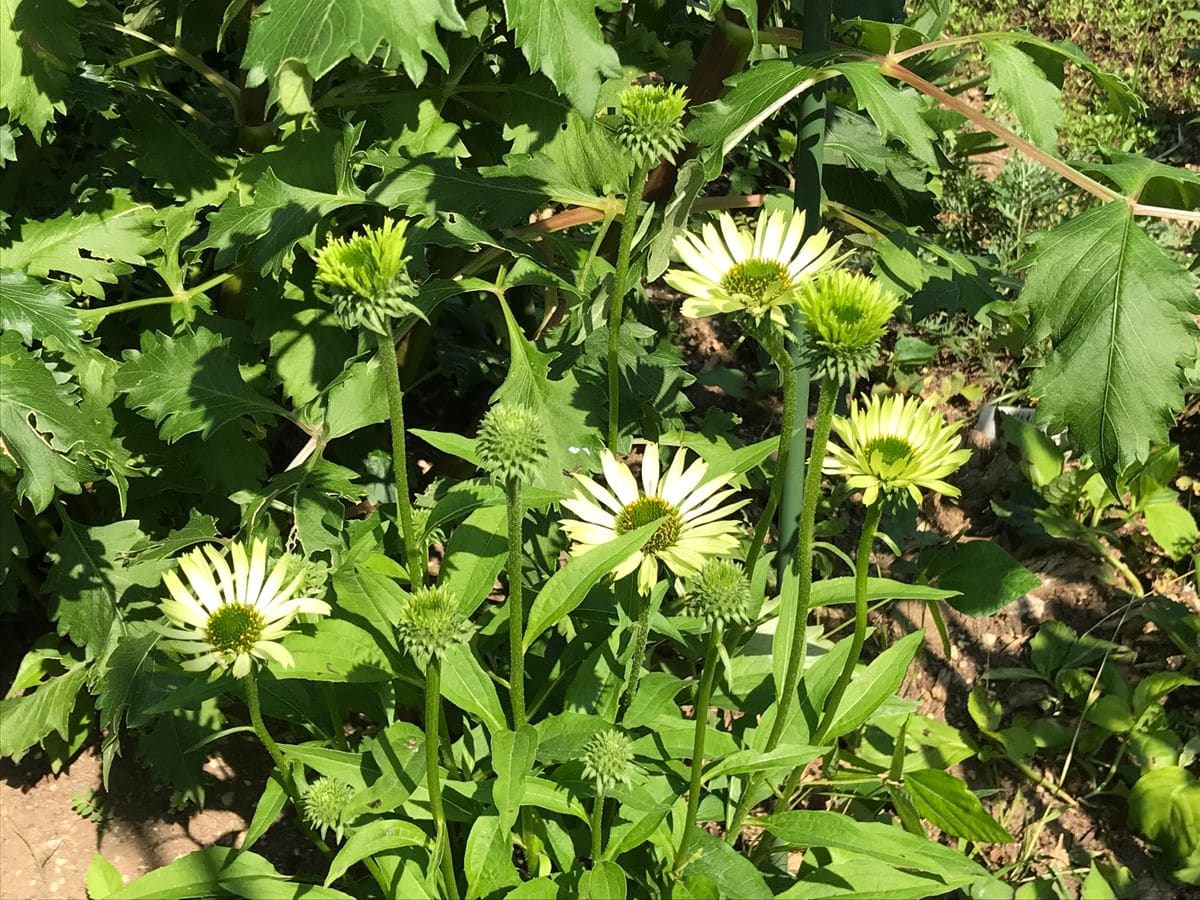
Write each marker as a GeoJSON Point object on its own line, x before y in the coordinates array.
{"type": "Point", "coordinates": [1118, 312]}
{"type": "Point", "coordinates": [1031, 96]}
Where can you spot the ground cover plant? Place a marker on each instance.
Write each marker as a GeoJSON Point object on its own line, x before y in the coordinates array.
{"type": "Point", "coordinates": [347, 415]}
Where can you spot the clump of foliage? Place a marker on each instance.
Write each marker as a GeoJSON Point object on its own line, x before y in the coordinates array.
{"type": "Point", "coordinates": [264, 261]}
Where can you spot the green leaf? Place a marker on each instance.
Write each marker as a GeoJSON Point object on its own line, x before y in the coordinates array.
{"type": "Point", "coordinates": [38, 311]}
{"type": "Point", "coordinates": [543, 794]}
{"type": "Point", "coordinates": [1031, 96]}
{"type": "Point", "coordinates": [319, 35]}
{"type": "Point", "coordinates": [513, 754]}
{"type": "Point", "coordinates": [336, 650]}
{"type": "Point", "coordinates": [474, 556]}
{"type": "Point", "coordinates": [579, 164]}
{"type": "Point", "coordinates": [121, 672]}
{"type": "Point", "coordinates": [897, 112]}
{"type": "Point", "coordinates": [39, 46]}
{"type": "Point", "coordinates": [563, 40]}
{"type": "Point", "coordinates": [26, 720]}
{"type": "Point", "coordinates": [358, 770]}
{"type": "Point", "coordinates": [688, 184]}
{"type": "Point", "coordinates": [861, 878]}
{"type": "Point", "coordinates": [605, 880]}
{"type": "Point", "coordinates": [1042, 454]}
{"type": "Point", "coordinates": [371, 600]}
{"type": "Point", "coordinates": [218, 871]}
{"type": "Point", "coordinates": [869, 689]}
{"type": "Point", "coordinates": [527, 384]}
{"type": "Point", "coordinates": [263, 233]}
{"type": "Point", "coordinates": [746, 761]}
{"type": "Point", "coordinates": [984, 575]}
{"type": "Point", "coordinates": [833, 591]}
{"type": "Point", "coordinates": [375, 837]}
{"type": "Point", "coordinates": [1154, 687]}
{"type": "Point", "coordinates": [1171, 526]}
{"type": "Point", "coordinates": [874, 840]}
{"type": "Point", "coordinates": [753, 97]}
{"type": "Point", "coordinates": [1164, 805]}
{"type": "Point", "coordinates": [103, 878]}
{"type": "Point", "coordinates": [1148, 180]}
{"type": "Point", "coordinates": [734, 874]}
{"type": "Point", "coordinates": [946, 802]}
{"type": "Point", "coordinates": [467, 686]}
{"type": "Point", "coordinates": [94, 245]}
{"type": "Point", "coordinates": [1118, 312]}
{"type": "Point", "coordinates": [448, 442]}
{"type": "Point", "coordinates": [488, 859]}
{"type": "Point", "coordinates": [1095, 887]}
{"type": "Point", "coordinates": [569, 585]}
{"type": "Point", "coordinates": [189, 384]}
{"type": "Point", "coordinates": [266, 811]}
{"type": "Point", "coordinates": [43, 429]}
{"type": "Point", "coordinates": [561, 736]}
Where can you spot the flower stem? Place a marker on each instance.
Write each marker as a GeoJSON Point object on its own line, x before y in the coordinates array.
{"type": "Point", "coordinates": [773, 343]}
{"type": "Point", "coordinates": [597, 827]}
{"type": "Point", "coordinates": [433, 773]}
{"type": "Point", "coordinates": [254, 705]}
{"type": "Point", "coordinates": [395, 395]}
{"type": "Point", "coordinates": [862, 567]}
{"type": "Point", "coordinates": [802, 570]}
{"type": "Point", "coordinates": [516, 606]}
{"type": "Point", "coordinates": [641, 635]}
{"type": "Point", "coordinates": [703, 699]}
{"type": "Point", "coordinates": [616, 305]}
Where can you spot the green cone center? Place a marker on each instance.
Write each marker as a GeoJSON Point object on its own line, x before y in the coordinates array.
{"type": "Point", "coordinates": [888, 451]}
{"type": "Point", "coordinates": [234, 628]}
{"type": "Point", "coordinates": [645, 510]}
{"type": "Point", "coordinates": [756, 279]}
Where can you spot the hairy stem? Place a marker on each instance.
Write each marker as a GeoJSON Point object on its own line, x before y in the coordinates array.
{"type": "Point", "coordinates": [597, 823]}
{"type": "Point", "coordinates": [862, 568]}
{"type": "Point", "coordinates": [616, 305]}
{"type": "Point", "coordinates": [802, 571]}
{"type": "Point", "coordinates": [516, 607]}
{"type": "Point", "coordinates": [433, 773]}
{"type": "Point", "coordinates": [90, 317]}
{"type": "Point", "coordinates": [787, 375]}
{"type": "Point", "coordinates": [417, 567]}
{"type": "Point", "coordinates": [641, 635]}
{"type": "Point", "coordinates": [703, 699]}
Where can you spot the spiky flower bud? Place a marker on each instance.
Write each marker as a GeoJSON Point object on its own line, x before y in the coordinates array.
{"type": "Point", "coordinates": [313, 575]}
{"type": "Point", "coordinates": [511, 443]}
{"type": "Point", "coordinates": [651, 122]}
{"type": "Point", "coordinates": [719, 594]}
{"type": "Point", "coordinates": [366, 277]}
{"type": "Point", "coordinates": [845, 315]}
{"type": "Point", "coordinates": [325, 804]}
{"type": "Point", "coordinates": [430, 623]}
{"type": "Point", "coordinates": [608, 758]}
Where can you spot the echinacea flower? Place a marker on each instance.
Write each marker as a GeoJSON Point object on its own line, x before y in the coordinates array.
{"type": "Point", "coordinates": [608, 760]}
{"type": "Point", "coordinates": [227, 617]}
{"type": "Point", "coordinates": [731, 270]}
{"type": "Point", "coordinates": [697, 515]}
{"type": "Point", "coordinates": [651, 122]}
{"type": "Point", "coordinates": [366, 277]}
{"type": "Point", "coordinates": [895, 445]}
{"type": "Point", "coordinates": [511, 443]}
{"type": "Point", "coordinates": [845, 315]}
{"type": "Point", "coordinates": [430, 623]}
{"type": "Point", "coordinates": [719, 594]}
{"type": "Point", "coordinates": [325, 804]}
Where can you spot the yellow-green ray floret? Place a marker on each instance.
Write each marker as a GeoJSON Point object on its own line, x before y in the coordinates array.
{"type": "Point", "coordinates": [696, 514]}
{"type": "Point", "coordinates": [845, 315]}
{"type": "Point", "coordinates": [895, 445]}
{"type": "Point", "coordinates": [366, 277]}
{"type": "Point", "coordinates": [728, 269]}
{"type": "Point", "coordinates": [651, 122]}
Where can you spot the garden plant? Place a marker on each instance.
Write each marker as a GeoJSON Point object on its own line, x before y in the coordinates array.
{"type": "Point", "coordinates": [345, 349]}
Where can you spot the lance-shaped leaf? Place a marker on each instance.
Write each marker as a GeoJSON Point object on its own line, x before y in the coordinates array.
{"type": "Point", "coordinates": [1032, 97]}
{"type": "Point", "coordinates": [1118, 312]}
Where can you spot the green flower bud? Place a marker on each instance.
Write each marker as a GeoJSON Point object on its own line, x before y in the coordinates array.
{"type": "Point", "coordinates": [845, 315]}
{"type": "Point", "coordinates": [652, 122]}
{"type": "Point", "coordinates": [325, 805]}
{"type": "Point", "coordinates": [430, 623]}
{"type": "Point", "coordinates": [366, 277]}
{"type": "Point", "coordinates": [511, 443]}
{"type": "Point", "coordinates": [314, 576]}
{"type": "Point", "coordinates": [608, 758]}
{"type": "Point", "coordinates": [719, 594]}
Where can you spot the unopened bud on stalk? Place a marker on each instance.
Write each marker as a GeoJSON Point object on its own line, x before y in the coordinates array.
{"type": "Point", "coordinates": [366, 277]}
{"type": "Point", "coordinates": [325, 805]}
{"type": "Point", "coordinates": [430, 624]}
{"type": "Point", "coordinates": [719, 594]}
{"type": "Point", "coordinates": [845, 315]}
{"type": "Point", "coordinates": [511, 443]}
{"type": "Point", "coordinates": [652, 122]}
{"type": "Point", "coordinates": [608, 758]}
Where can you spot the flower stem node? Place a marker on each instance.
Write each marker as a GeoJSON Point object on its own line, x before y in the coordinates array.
{"type": "Point", "coordinates": [367, 278]}
{"type": "Point", "coordinates": [430, 624]}
{"type": "Point", "coordinates": [608, 758]}
{"type": "Point", "coordinates": [229, 617]}
{"type": "Point", "coordinates": [845, 315]}
{"type": "Point", "coordinates": [719, 594]}
{"type": "Point", "coordinates": [511, 443]}
{"type": "Point", "coordinates": [730, 270]}
{"type": "Point", "coordinates": [696, 514]}
{"type": "Point", "coordinates": [651, 122]}
{"type": "Point", "coordinates": [325, 804]}
{"type": "Point", "coordinates": [894, 445]}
